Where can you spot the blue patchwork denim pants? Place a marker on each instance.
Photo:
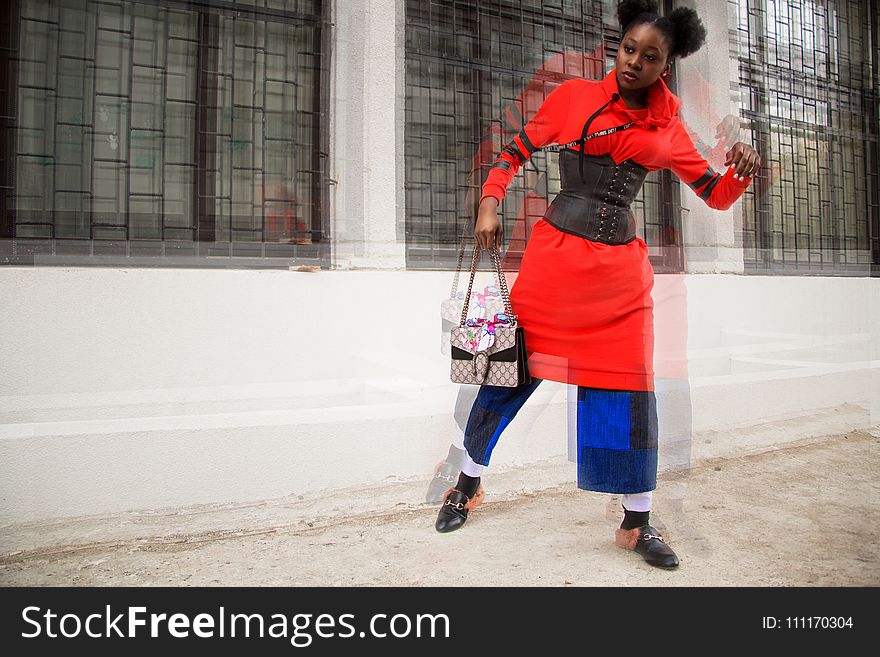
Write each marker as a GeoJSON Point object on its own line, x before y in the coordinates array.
{"type": "Point", "coordinates": [616, 434]}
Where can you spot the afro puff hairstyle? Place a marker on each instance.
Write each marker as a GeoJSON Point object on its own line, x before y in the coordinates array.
{"type": "Point", "coordinates": [682, 28]}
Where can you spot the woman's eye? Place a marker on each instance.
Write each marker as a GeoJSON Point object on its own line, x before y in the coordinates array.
{"type": "Point", "coordinates": [627, 49]}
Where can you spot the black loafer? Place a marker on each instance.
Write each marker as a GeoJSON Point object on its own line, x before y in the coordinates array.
{"type": "Point", "coordinates": [445, 476]}
{"type": "Point", "coordinates": [654, 549]}
{"type": "Point", "coordinates": [454, 511]}
{"type": "Point", "coordinates": [649, 543]}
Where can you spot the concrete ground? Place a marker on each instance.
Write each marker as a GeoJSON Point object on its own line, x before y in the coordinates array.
{"type": "Point", "coordinates": [800, 513]}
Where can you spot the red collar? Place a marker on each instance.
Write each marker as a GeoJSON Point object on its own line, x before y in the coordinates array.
{"type": "Point", "coordinates": [662, 103]}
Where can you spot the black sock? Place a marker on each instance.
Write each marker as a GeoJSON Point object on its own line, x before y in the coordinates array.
{"type": "Point", "coordinates": [633, 519]}
{"type": "Point", "coordinates": [455, 457]}
{"type": "Point", "coordinates": [467, 485]}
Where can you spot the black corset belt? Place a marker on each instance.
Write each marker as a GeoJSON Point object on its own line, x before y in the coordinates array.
{"type": "Point", "coordinates": [597, 209]}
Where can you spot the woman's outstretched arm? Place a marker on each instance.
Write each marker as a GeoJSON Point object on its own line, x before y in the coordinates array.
{"type": "Point", "coordinates": [717, 190]}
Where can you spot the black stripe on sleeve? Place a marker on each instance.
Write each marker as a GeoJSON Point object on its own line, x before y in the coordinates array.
{"type": "Point", "coordinates": [522, 156]}
{"type": "Point", "coordinates": [524, 138]}
{"type": "Point", "coordinates": [513, 151]}
{"type": "Point", "coordinates": [702, 180]}
{"type": "Point", "coordinates": [706, 193]}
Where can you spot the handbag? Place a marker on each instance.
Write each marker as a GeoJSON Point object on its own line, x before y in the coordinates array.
{"type": "Point", "coordinates": [489, 351]}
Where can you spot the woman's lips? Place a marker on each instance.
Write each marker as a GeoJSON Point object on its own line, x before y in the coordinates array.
{"type": "Point", "coordinates": [629, 76]}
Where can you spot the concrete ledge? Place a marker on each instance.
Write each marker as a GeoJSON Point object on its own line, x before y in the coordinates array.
{"type": "Point", "coordinates": [191, 524]}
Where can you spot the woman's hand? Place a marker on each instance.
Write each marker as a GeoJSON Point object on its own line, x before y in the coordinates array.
{"type": "Point", "coordinates": [744, 158]}
{"type": "Point", "coordinates": [488, 231]}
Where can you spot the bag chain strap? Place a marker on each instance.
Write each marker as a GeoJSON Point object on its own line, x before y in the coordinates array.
{"type": "Point", "coordinates": [502, 283]}
{"type": "Point", "coordinates": [457, 269]}
{"type": "Point", "coordinates": [461, 243]}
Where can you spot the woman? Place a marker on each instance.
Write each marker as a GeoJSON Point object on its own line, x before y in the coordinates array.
{"type": "Point", "coordinates": [583, 293]}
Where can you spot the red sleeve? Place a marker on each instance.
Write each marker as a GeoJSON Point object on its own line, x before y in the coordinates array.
{"type": "Point", "coordinates": [543, 129]}
{"type": "Point", "coordinates": [717, 190]}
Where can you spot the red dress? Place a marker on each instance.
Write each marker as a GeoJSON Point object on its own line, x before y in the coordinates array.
{"type": "Point", "coordinates": [586, 306]}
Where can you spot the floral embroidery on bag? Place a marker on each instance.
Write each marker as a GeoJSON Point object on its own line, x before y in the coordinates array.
{"type": "Point", "coordinates": [480, 332]}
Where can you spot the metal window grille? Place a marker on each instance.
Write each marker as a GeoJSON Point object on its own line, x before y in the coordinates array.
{"type": "Point", "coordinates": [811, 71]}
{"type": "Point", "coordinates": [164, 133]}
{"type": "Point", "coordinates": [469, 67]}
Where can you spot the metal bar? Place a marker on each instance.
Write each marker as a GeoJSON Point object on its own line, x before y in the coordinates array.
{"type": "Point", "coordinates": [204, 189]}
{"type": "Point", "coordinates": [233, 9]}
{"type": "Point", "coordinates": [127, 195]}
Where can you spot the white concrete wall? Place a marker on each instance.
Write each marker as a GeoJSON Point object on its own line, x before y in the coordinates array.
{"type": "Point", "coordinates": [874, 390]}
{"type": "Point", "coordinates": [139, 388]}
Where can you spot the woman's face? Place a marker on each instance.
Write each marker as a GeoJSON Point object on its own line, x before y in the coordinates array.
{"type": "Point", "coordinates": [643, 52]}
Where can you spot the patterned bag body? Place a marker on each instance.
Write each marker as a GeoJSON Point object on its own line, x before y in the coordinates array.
{"type": "Point", "coordinates": [489, 351]}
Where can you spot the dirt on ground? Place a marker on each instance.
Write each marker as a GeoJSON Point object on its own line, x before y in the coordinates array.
{"type": "Point", "coordinates": [803, 514]}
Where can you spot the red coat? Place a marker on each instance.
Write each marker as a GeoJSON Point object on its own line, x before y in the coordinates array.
{"type": "Point", "coordinates": [586, 306]}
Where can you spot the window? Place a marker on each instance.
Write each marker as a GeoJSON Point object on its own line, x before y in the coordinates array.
{"type": "Point", "coordinates": [475, 72]}
{"type": "Point", "coordinates": [165, 134]}
{"type": "Point", "coordinates": [812, 106]}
